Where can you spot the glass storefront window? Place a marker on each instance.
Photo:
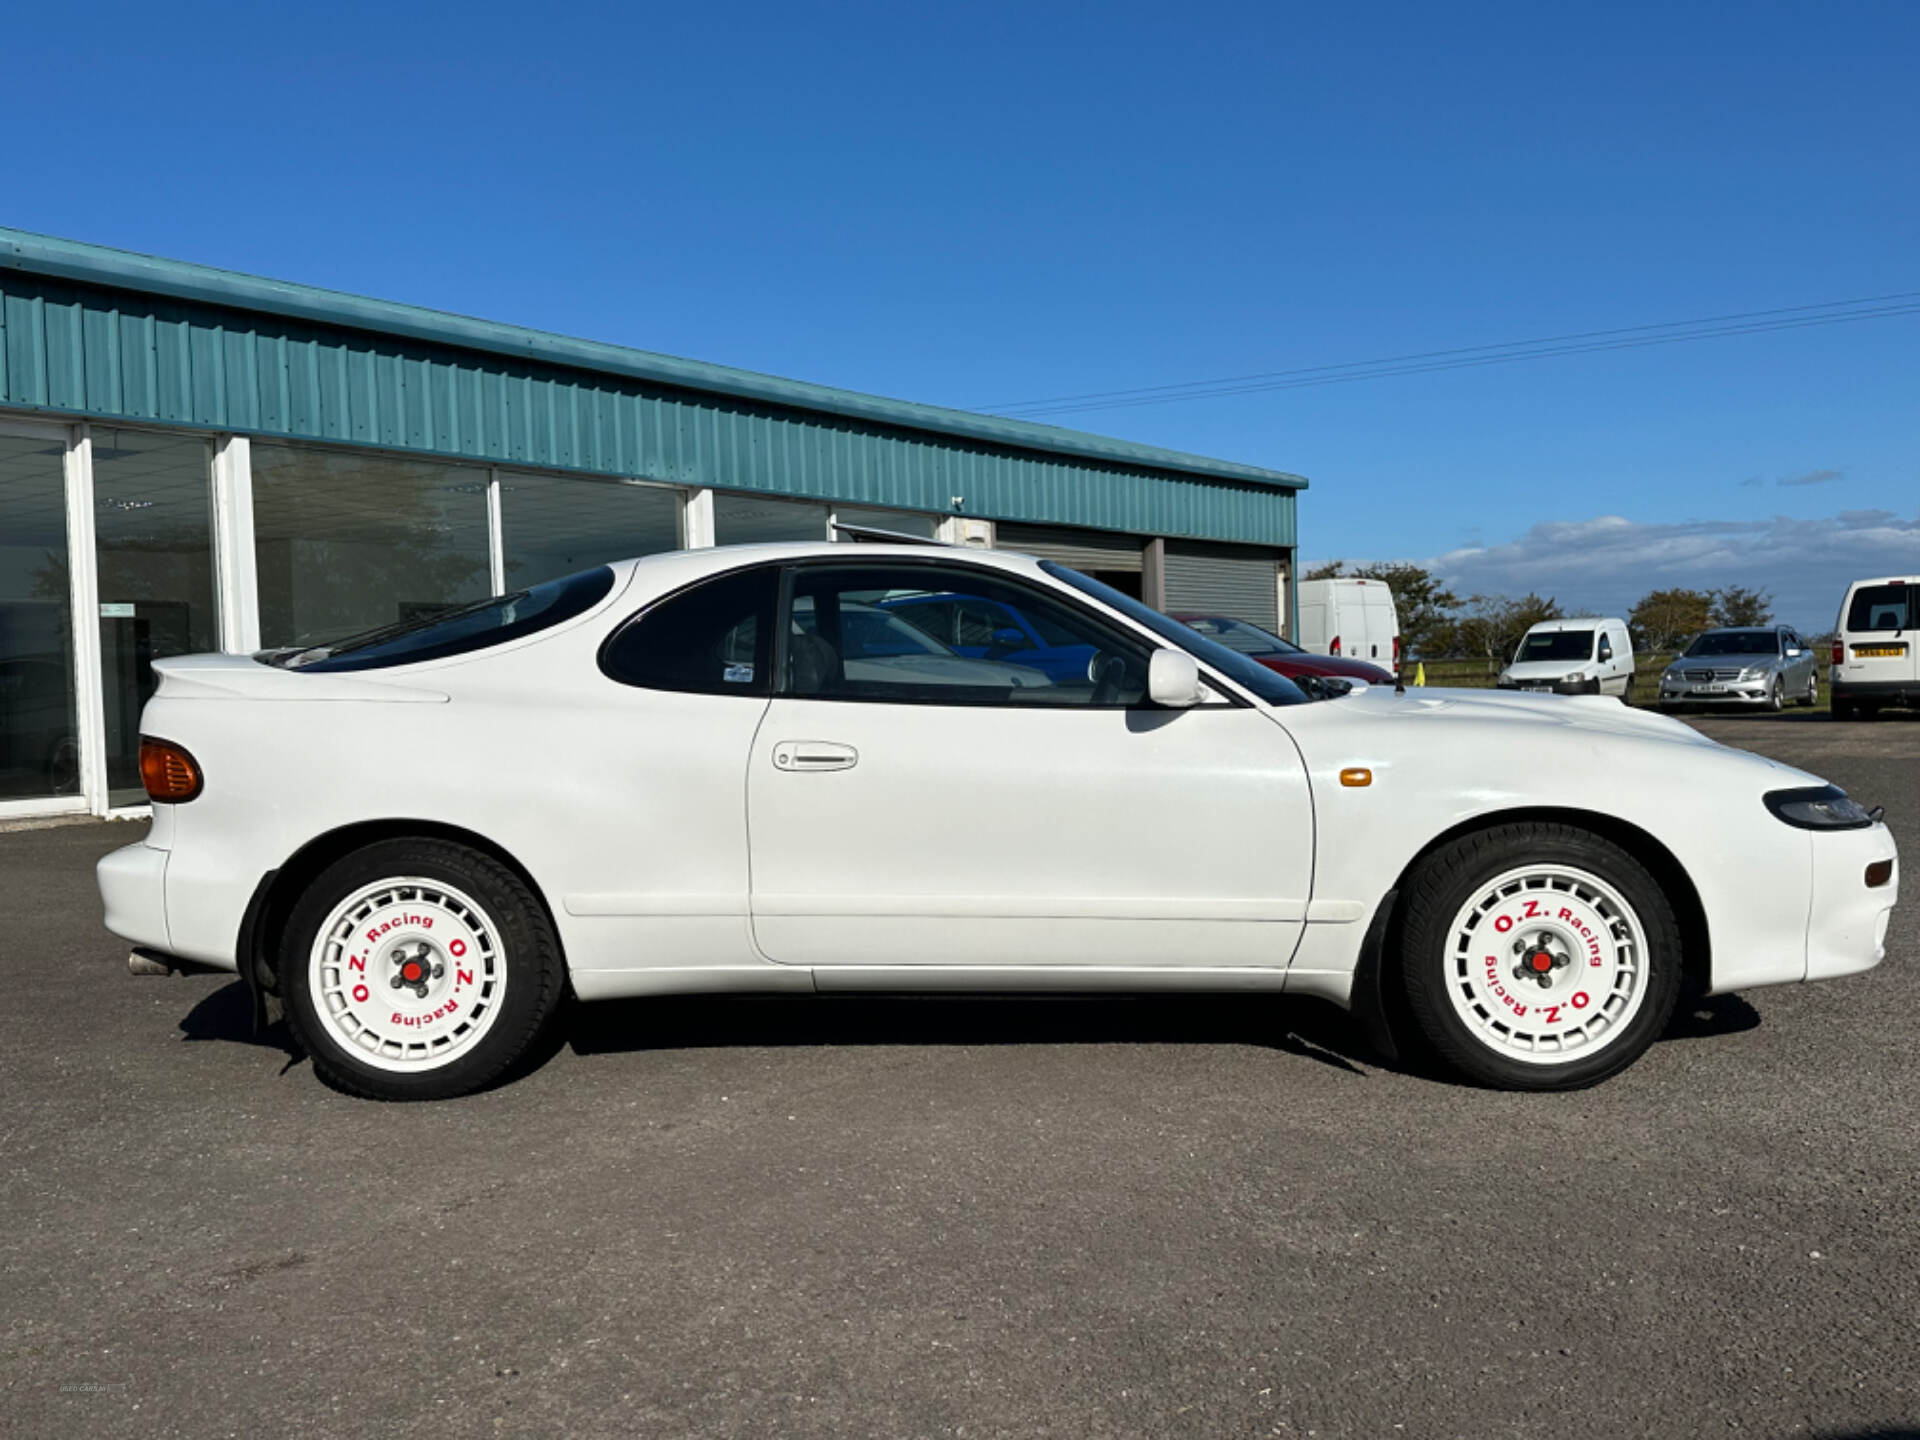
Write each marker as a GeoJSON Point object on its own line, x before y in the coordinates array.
{"type": "Point", "coordinates": [345, 541]}
{"type": "Point", "coordinates": [39, 749]}
{"type": "Point", "coordinates": [552, 526]}
{"type": "Point", "coordinates": [155, 546]}
{"type": "Point", "coordinates": [753, 519]}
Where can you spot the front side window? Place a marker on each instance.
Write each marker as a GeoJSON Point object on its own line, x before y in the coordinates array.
{"type": "Point", "coordinates": [1879, 607]}
{"type": "Point", "coordinates": [920, 634]}
{"type": "Point", "coordinates": [1556, 645]}
{"type": "Point", "coordinates": [714, 638]}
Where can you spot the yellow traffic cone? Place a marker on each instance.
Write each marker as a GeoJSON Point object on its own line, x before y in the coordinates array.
{"type": "Point", "coordinates": [1420, 673]}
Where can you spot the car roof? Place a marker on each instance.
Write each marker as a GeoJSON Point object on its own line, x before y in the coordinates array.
{"type": "Point", "coordinates": [1584, 622]}
{"type": "Point", "coordinates": [1883, 580]}
{"type": "Point", "coordinates": [712, 559]}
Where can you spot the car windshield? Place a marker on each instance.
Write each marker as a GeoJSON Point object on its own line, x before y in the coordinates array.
{"type": "Point", "coordinates": [440, 633]}
{"type": "Point", "coordinates": [1239, 635]}
{"type": "Point", "coordinates": [1555, 645]}
{"type": "Point", "coordinates": [1269, 685]}
{"type": "Point", "coordinates": [1736, 642]}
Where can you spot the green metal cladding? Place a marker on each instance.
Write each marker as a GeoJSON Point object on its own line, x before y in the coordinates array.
{"type": "Point", "coordinates": [92, 333]}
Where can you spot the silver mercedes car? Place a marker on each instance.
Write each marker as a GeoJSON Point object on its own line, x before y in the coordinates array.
{"type": "Point", "coordinates": [1760, 667]}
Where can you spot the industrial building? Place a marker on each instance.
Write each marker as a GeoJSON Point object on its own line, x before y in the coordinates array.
{"type": "Point", "coordinates": [193, 459]}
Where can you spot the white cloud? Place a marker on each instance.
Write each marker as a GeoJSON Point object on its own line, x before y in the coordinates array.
{"type": "Point", "coordinates": [1608, 562]}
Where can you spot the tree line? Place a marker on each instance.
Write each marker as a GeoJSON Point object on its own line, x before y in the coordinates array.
{"type": "Point", "coordinates": [1436, 624]}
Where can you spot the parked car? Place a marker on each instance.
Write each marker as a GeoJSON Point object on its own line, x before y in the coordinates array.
{"type": "Point", "coordinates": [1280, 655]}
{"type": "Point", "coordinates": [633, 781]}
{"type": "Point", "coordinates": [984, 629]}
{"type": "Point", "coordinates": [1757, 666]}
{"type": "Point", "coordinates": [1589, 656]}
{"type": "Point", "coordinates": [1351, 617]}
{"type": "Point", "coordinates": [1876, 660]}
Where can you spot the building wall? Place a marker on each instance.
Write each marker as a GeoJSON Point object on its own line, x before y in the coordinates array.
{"type": "Point", "coordinates": [89, 351]}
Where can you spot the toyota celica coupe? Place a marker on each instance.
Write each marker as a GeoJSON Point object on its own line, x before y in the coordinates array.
{"type": "Point", "coordinates": [763, 769]}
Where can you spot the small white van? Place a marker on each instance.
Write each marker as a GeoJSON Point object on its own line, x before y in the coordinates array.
{"type": "Point", "coordinates": [1588, 656]}
{"type": "Point", "coordinates": [1876, 660]}
{"type": "Point", "coordinates": [1350, 617]}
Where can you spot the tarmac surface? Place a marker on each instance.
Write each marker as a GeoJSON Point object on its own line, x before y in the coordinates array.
{"type": "Point", "coordinates": [977, 1217]}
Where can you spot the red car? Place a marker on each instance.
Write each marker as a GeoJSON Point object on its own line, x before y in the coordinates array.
{"type": "Point", "coordinates": [1282, 655]}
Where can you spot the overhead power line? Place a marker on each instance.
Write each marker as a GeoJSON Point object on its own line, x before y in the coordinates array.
{"type": "Point", "coordinates": [1630, 337]}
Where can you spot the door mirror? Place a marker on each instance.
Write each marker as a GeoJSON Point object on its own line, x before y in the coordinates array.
{"type": "Point", "coordinates": [1008, 639]}
{"type": "Point", "coordinates": [1794, 652]}
{"type": "Point", "coordinates": [1173, 679]}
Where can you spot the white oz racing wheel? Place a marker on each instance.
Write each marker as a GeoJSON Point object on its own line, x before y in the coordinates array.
{"type": "Point", "coordinates": [416, 969]}
{"type": "Point", "coordinates": [1538, 956]}
{"type": "Point", "coordinates": [1548, 961]}
{"type": "Point", "coordinates": [408, 972]}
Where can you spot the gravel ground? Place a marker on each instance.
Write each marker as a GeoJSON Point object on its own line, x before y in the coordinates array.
{"type": "Point", "coordinates": [973, 1217]}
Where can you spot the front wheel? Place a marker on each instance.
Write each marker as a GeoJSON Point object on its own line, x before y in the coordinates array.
{"type": "Point", "coordinates": [418, 969]}
{"type": "Point", "coordinates": [1777, 696]}
{"type": "Point", "coordinates": [1812, 697]}
{"type": "Point", "coordinates": [1538, 957]}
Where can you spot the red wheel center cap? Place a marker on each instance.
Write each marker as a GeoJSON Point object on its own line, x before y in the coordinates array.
{"type": "Point", "coordinates": [1541, 961]}
{"type": "Point", "coordinates": [411, 971]}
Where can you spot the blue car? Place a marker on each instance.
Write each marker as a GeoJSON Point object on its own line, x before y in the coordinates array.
{"type": "Point", "coordinates": [984, 629]}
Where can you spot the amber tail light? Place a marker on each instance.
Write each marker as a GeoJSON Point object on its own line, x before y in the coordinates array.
{"type": "Point", "coordinates": [170, 774]}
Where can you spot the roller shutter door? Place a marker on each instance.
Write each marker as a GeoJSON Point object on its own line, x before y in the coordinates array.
{"type": "Point", "coordinates": [1224, 580]}
{"type": "Point", "coordinates": [1081, 549]}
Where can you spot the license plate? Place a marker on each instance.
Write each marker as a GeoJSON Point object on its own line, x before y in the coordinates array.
{"type": "Point", "coordinates": [1878, 652]}
{"type": "Point", "coordinates": [1709, 689]}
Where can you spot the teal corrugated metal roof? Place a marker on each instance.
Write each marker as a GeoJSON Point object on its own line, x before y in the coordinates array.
{"type": "Point", "coordinates": [97, 265]}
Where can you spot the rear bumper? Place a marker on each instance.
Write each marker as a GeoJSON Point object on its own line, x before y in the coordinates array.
{"type": "Point", "coordinates": [1882, 692]}
{"type": "Point", "coordinates": [133, 890]}
{"type": "Point", "coordinates": [1847, 926]}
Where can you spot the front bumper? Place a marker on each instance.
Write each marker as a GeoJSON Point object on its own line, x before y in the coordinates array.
{"type": "Point", "coordinates": [1847, 927]}
{"type": "Point", "coordinates": [1553, 687]}
{"type": "Point", "coordinates": [1733, 692]}
{"type": "Point", "coordinates": [133, 889]}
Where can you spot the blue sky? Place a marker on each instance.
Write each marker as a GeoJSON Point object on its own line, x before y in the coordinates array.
{"type": "Point", "coordinates": [977, 205]}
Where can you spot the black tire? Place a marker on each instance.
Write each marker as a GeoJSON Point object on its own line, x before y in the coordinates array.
{"type": "Point", "coordinates": [1626, 695]}
{"type": "Point", "coordinates": [534, 969]}
{"type": "Point", "coordinates": [1447, 880]}
{"type": "Point", "coordinates": [1845, 710]}
{"type": "Point", "coordinates": [1777, 696]}
{"type": "Point", "coordinates": [1812, 697]}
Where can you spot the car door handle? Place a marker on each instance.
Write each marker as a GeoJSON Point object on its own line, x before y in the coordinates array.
{"type": "Point", "coordinates": [814, 755]}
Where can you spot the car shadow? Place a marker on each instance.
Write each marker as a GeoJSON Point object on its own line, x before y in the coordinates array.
{"type": "Point", "coordinates": [1311, 1029]}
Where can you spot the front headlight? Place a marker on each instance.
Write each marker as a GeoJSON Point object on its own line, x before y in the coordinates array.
{"type": "Point", "coordinates": [1753, 672]}
{"type": "Point", "coordinates": [1819, 807]}
{"type": "Point", "coordinates": [1578, 677]}
{"type": "Point", "coordinates": [1505, 675]}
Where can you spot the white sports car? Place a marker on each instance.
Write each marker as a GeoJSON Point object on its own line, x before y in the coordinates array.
{"type": "Point", "coordinates": [834, 768]}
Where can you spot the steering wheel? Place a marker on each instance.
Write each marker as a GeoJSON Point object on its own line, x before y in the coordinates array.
{"type": "Point", "coordinates": [1107, 672]}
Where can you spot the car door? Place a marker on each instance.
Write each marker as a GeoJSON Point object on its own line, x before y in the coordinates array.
{"type": "Point", "coordinates": [973, 813]}
{"type": "Point", "coordinates": [1606, 665]}
{"type": "Point", "coordinates": [1878, 635]}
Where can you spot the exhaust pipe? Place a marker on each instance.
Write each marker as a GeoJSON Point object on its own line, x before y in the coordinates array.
{"type": "Point", "coordinates": [148, 962]}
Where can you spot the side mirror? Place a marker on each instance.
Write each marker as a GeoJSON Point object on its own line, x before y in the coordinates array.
{"type": "Point", "coordinates": [1794, 652]}
{"type": "Point", "coordinates": [1009, 639]}
{"type": "Point", "coordinates": [1173, 679]}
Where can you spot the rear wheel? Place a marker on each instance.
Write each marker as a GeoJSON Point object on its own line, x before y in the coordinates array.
{"type": "Point", "coordinates": [1538, 957]}
{"type": "Point", "coordinates": [1845, 710]}
{"type": "Point", "coordinates": [418, 969]}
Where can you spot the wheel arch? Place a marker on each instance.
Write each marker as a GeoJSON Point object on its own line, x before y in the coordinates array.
{"type": "Point", "coordinates": [264, 923]}
{"type": "Point", "coordinates": [1372, 1001]}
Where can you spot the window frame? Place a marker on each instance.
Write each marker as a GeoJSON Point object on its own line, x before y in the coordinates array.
{"type": "Point", "coordinates": [1141, 640]}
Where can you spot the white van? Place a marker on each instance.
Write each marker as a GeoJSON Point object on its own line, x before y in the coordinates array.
{"type": "Point", "coordinates": [1588, 656]}
{"type": "Point", "coordinates": [1350, 617]}
{"type": "Point", "coordinates": [1876, 660]}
